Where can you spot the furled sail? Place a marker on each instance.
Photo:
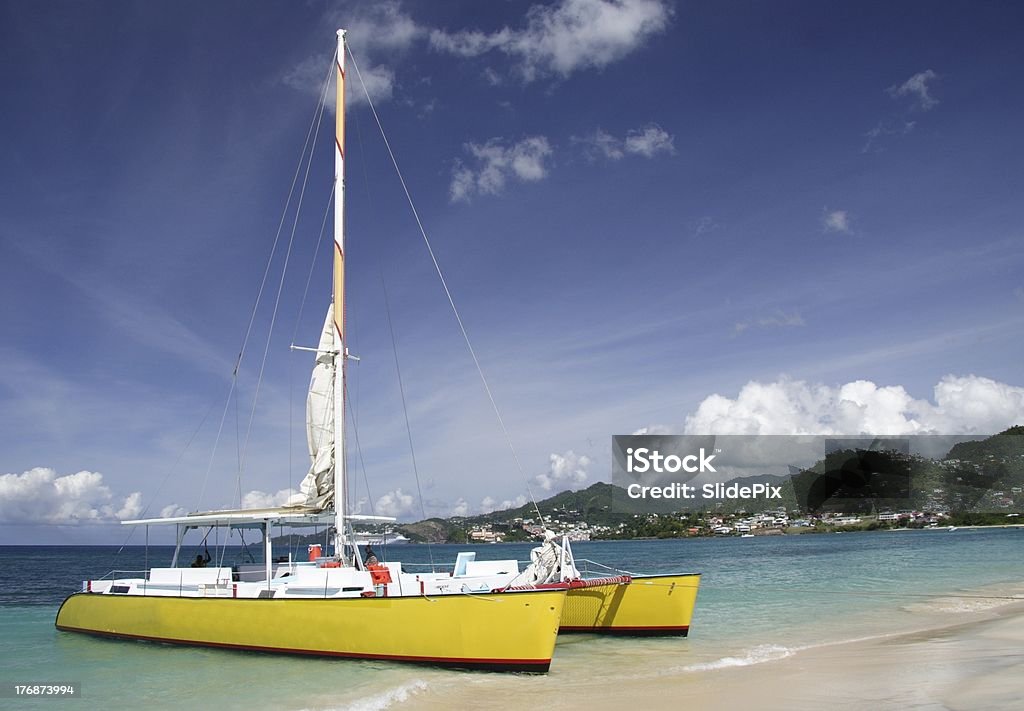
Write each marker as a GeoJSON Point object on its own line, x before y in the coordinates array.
{"type": "Point", "coordinates": [317, 488]}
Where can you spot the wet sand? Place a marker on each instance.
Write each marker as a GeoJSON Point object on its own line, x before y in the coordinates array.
{"type": "Point", "coordinates": [978, 664]}
{"type": "Point", "coordinates": [967, 660]}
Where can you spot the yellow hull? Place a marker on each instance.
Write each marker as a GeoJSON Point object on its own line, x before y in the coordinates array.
{"type": "Point", "coordinates": [507, 631]}
{"type": "Point", "coordinates": [647, 605]}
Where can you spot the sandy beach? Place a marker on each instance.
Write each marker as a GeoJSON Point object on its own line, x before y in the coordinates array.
{"type": "Point", "coordinates": [973, 664]}
{"type": "Point", "coordinates": [968, 660]}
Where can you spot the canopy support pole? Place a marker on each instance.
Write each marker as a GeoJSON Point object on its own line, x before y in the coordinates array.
{"type": "Point", "coordinates": [267, 550]}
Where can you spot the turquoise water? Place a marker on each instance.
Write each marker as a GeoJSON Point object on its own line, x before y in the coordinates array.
{"type": "Point", "coordinates": [760, 598]}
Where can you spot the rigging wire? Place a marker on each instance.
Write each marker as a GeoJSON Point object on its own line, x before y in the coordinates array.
{"type": "Point", "coordinates": [298, 318]}
{"type": "Point", "coordinates": [312, 266]}
{"type": "Point", "coordinates": [354, 330]}
{"type": "Point", "coordinates": [181, 455]}
{"type": "Point", "coordinates": [352, 322]}
{"type": "Point", "coordinates": [444, 284]}
{"type": "Point", "coordinates": [405, 410]}
{"type": "Point", "coordinates": [295, 333]}
{"type": "Point", "coordinates": [277, 298]}
{"type": "Point", "coordinates": [317, 113]}
{"type": "Point", "coordinates": [362, 462]}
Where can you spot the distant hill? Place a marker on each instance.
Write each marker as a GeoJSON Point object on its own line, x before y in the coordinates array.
{"type": "Point", "coordinates": [593, 504]}
{"type": "Point", "coordinates": [845, 480]}
{"type": "Point", "coordinates": [1008, 444]}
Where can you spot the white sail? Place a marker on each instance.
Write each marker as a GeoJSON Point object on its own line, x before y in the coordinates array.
{"type": "Point", "coordinates": [317, 488]}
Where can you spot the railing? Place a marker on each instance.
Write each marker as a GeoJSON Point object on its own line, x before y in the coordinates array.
{"type": "Point", "coordinates": [122, 573]}
{"type": "Point", "coordinates": [592, 567]}
{"type": "Point", "coordinates": [221, 587]}
{"type": "Point", "coordinates": [428, 567]}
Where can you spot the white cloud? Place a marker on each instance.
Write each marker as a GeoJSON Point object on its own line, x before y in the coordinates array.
{"type": "Point", "coordinates": [394, 503]}
{"type": "Point", "coordinates": [884, 129]}
{"type": "Point", "coordinates": [491, 77]}
{"type": "Point", "coordinates": [257, 499]}
{"type": "Point", "coordinates": [172, 511]}
{"type": "Point", "coordinates": [461, 507]}
{"type": "Point", "coordinates": [918, 91]}
{"type": "Point", "coordinates": [648, 142]}
{"type": "Point", "coordinates": [131, 507]}
{"type": "Point", "coordinates": [40, 496]}
{"type": "Point", "coordinates": [489, 503]}
{"type": "Point", "coordinates": [779, 319]}
{"type": "Point", "coordinates": [515, 503]}
{"type": "Point", "coordinates": [601, 144]}
{"type": "Point", "coordinates": [494, 162]}
{"type": "Point", "coordinates": [379, 81]}
{"type": "Point", "coordinates": [569, 469]}
{"type": "Point", "coordinates": [961, 405]}
{"type": "Point", "coordinates": [656, 430]}
{"type": "Point", "coordinates": [377, 33]}
{"type": "Point", "coordinates": [704, 225]}
{"type": "Point", "coordinates": [835, 221]}
{"type": "Point", "coordinates": [308, 77]}
{"type": "Point", "coordinates": [565, 37]}
{"type": "Point", "coordinates": [379, 27]}
{"type": "Point", "coordinates": [916, 87]}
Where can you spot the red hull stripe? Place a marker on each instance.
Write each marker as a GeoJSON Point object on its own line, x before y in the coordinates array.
{"type": "Point", "coordinates": [642, 631]}
{"type": "Point", "coordinates": [625, 628]}
{"type": "Point", "coordinates": [526, 664]}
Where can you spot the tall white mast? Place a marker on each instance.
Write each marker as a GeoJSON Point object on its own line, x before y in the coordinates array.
{"type": "Point", "coordinates": [340, 489]}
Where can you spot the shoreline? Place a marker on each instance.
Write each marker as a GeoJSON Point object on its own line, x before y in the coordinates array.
{"type": "Point", "coordinates": [797, 532]}
{"type": "Point", "coordinates": [952, 659]}
{"type": "Point", "coordinates": [965, 664]}
{"type": "Point", "coordinates": [969, 664]}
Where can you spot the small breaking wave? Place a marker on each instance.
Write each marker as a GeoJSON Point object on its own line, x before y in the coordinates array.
{"type": "Point", "coordinates": [385, 699]}
{"type": "Point", "coordinates": [756, 655]}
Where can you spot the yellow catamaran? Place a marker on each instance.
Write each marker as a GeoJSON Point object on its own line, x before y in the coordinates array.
{"type": "Point", "coordinates": [332, 606]}
{"type": "Point", "coordinates": [478, 615]}
{"type": "Point", "coordinates": [610, 601]}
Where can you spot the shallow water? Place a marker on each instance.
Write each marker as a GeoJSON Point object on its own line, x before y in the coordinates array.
{"type": "Point", "coordinates": [761, 600]}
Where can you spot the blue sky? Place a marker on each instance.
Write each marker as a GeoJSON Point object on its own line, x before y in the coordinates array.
{"type": "Point", "coordinates": [720, 217]}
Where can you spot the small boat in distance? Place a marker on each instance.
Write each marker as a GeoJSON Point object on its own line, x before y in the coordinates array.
{"type": "Point", "coordinates": [387, 538]}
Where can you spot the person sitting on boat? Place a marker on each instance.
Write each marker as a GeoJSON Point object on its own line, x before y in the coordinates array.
{"type": "Point", "coordinates": [371, 557]}
{"type": "Point", "coordinates": [200, 561]}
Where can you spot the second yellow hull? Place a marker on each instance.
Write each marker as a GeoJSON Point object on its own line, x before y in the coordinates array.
{"type": "Point", "coordinates": [646, 605]}
{"type": "Point", "coordinates": [506, 631]}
